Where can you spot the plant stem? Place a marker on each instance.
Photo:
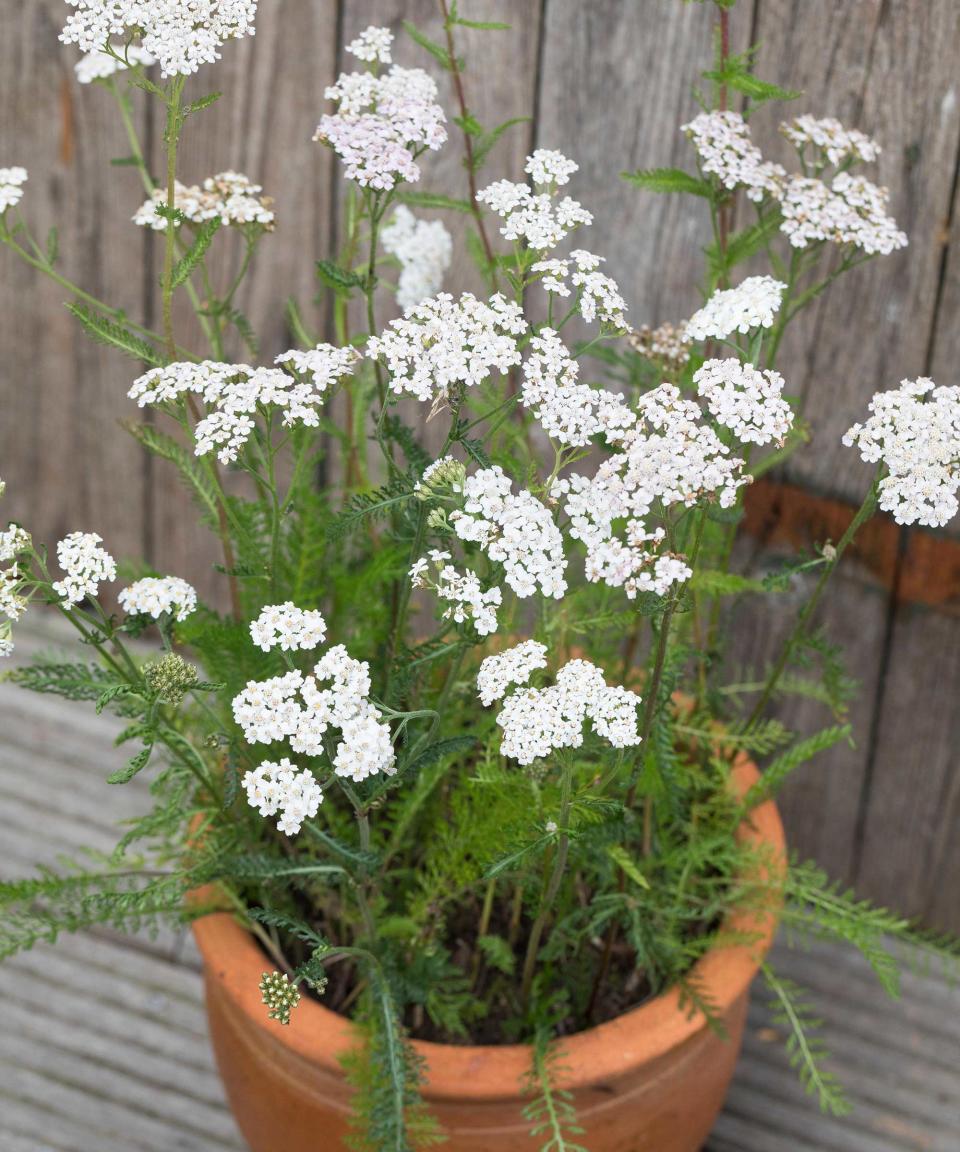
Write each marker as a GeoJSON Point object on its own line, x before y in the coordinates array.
{"type": "Point", "coordinates": [552, 883]}
{"type": "Point", "coordinates": [172, 139]}
{"type": "Point", "coordinates": [864, 513]}
{"type": "Point", "coordinates": [467, 144]}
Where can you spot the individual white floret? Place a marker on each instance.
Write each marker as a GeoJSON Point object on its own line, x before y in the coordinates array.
{"type": "Point", "coordinates": [12, 181]}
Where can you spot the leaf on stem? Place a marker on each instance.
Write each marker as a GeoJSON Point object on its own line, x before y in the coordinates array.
{"type": "Point", "coordinates": [103, 330]}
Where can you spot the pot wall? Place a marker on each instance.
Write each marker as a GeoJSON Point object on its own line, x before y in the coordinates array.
{"type": "Point", "coordinates": [652, 1081]}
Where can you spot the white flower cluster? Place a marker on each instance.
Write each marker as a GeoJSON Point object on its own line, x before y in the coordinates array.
{"type": "Point", "coordinates": [838, 144]}
{"type": "Point", "coordinates": [547, 167]}
{"type": "Point", "coordinates": [12, 181]}
{"type": "Point", "coordinates": [158, 596]}
{"type": "Point", "coordinates": [101, 65]}
{"type": "Point", "coordinates": [235, 392]}
{"type": "Point", "coordinates": [289, 628]}
{"type": "Point", "coordinates": [851, 211]}
{"type": "Point", "coordinates": [723, 143]}
{"type": "Point", "coordinates": [539, 721]}
{"type": "Point", "coordinates": [85, 563]}
{"type": "Point", "coordinates": [537, 218]}
{"type": "Point", "coordinates": [514, 666]}
{"type": "Point", "coordinates": [670, 456]}
{"type": "Point", "coordinates": [295, 708]}
{"type": "Point", "coordinates": [181, 34]}
{"type": "Point", "coordinates": [915, 431]}
{"type": "Point", "coordinates": [372, 45]}
{"type": "Point", "coordinates": [443, 343]}
{"type": "Point", "coordinates": [13, 541]}
{"type": "Point", "coordinates": [467, 599]}
{"type": "Point", "coordinates": [752, 304]}
{"type": "Point", "coordinates": [745, 399]}
{"type": "Point", "coordinates": [515, 530]}
{"type": "Point", "coordinates": [599, 297]}
{"type": "Point", "coordinates": [570, 412]}
{"type": "Point", "coordinates": [323, 366]}
{"type": "Point", "coordinates": [280, 788]}
{"type": "Point", "coordinates": [381, 122]}
{"type": "Point", "coordinates": [424, 249]}
{"type": "Point", "coordinates": [231, 196]}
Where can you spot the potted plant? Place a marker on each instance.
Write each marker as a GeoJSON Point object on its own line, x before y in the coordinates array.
{"type": "Point", "coordinates": [451, 784]}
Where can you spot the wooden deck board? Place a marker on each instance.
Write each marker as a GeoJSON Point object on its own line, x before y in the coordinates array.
{"type": "Point", "coordinates": [103, 1046]}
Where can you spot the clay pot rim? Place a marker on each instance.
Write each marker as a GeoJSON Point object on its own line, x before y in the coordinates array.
{"type": "Point", "coordinates": [234, 961]}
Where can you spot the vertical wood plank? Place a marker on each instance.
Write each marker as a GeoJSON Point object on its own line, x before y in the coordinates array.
{"type": "Point", "coordinates": [67, 465]}
{"type": "Point", "coordinates": [910, 854]}
{"type": "Point", "coordinates": [889, 69]}
{"type": "Point", "coordinates": [499, 82]}
{"type": "Point", "coordinates": [272, 87]}
{"type": "Point", "coordinates": [615, 87]}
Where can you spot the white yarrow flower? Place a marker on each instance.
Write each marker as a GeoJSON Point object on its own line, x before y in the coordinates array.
{"type": "Point", "coordinates": [12, 181]}
{"type": "Point", "coordinates": [745, 399]}
{"type": "Point", "coordinates": [158, 596]}
{"type": "Point", "coordinates": [444, 343]}
{"type": "Point", "coordinates": [101, 65]}
{"type": "Point", "coordinates": [229, 196]}
{"type": "Point", "coordinates": [722, 141]}
{"type": "Point", "coordinates": [372, 45]}
{"type": "Point", "coordinates": [289, 628]}
{"type": "Point", "coordinates": [837, 143]}
{"type": "Point", "coordinates": [547, 166]}
{"type": "Point", "coordinates": [279, 789]}
{"type": "Point", "coordinates": [512, 666]}
{"type": "Point", "coordinates": [515, 530]}
{"type": "Point", "coordinates": [381, 122]}
{"type": "Point", "coordinates": [915, 431]}
{"type": "Point", "coordinates": [86, 565]}
{"type": "Point", "coordinates": [537, 722]}
{"type": "Point", "coordinates": [181, 34]}
{"type": "Point", "coordinates": [424, 249]}
{"type": "Point", "coordinates": [850, 211]}
{"type": "Point", "coordinates": [752, 304]}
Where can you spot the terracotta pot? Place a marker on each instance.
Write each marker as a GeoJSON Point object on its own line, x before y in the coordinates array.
{"type": "Point", "coordinates": [653, 1080]}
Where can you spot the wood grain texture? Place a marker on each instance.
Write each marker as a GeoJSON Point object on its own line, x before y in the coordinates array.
{"type": "Point", "coordinates": [272, 87]}
{"type": "Point", "coordinates": [615, 86]}
{"type": "Point", "coordinates": [608, 82]}
{"type": "Point", "coordinates": [60, 395]}
{"type": "Point", "coordinates": [910, 849]}
{"type": "Point", "coordinates": [889, 69]}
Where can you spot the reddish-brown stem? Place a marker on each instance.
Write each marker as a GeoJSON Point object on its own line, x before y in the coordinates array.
{"type": "Point", "coordinates": [467, 141]}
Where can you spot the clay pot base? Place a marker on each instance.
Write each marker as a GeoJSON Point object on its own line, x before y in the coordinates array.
{"type": "Point", "coordinates": [652, 1080]}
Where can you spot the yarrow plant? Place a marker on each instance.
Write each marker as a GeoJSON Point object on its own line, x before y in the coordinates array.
{"type": "Point", "coordinates": [455, 739]}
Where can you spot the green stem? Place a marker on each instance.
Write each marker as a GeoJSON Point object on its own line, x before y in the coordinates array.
{"type": "Point", "coordinates": [552, 883]}
{"type": "Point", "coordinates": [864, 513]}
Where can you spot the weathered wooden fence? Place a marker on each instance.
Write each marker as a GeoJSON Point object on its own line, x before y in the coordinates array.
{"type": "Point", "coordinates": [608, 82]}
